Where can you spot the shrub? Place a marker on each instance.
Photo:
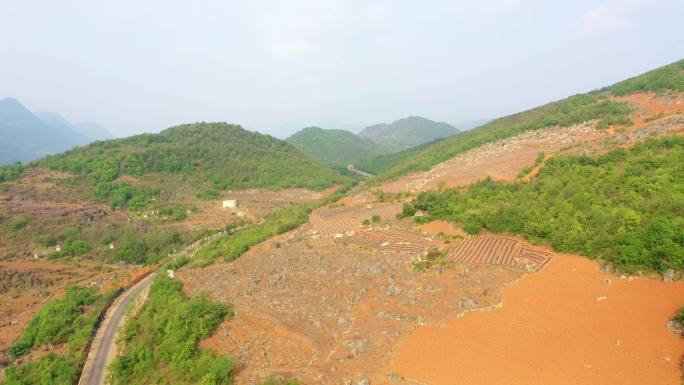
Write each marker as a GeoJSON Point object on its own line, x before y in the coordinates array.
{"type": "Point", "coordinates": [17, 223]}
{"type": "Point", "coordinates": [174, 212]}
{"type": "Point", "coordinates": [47, 240]}
{"type": "Point", "coordinates": [11, 172]}
{"type": "Point", "coordinates": [51, 369]}
{"type": "Point", "coordinates": [57, 321]}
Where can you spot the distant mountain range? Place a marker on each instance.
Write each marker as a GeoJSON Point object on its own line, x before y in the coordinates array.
{"type": "Point", "coordinates": [339, 148]}
{"type": "Point", "coordinates": [25, 136]}
{"type": "Point", "coordinates": [408, 132]}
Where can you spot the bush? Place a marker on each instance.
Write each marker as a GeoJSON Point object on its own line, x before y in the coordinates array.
{"type": "Point", "coordinates": [17, 223]}
{"type": "Point", "coordinates": [47, 240]}
{"type": "Point", "coordinates": [51, 369]}
{"type": "Point", "coordinates": [11, 172]}
{"type": "Point", "coordinates": [679, 317]}
{"type": "Point", "coordinates": [57, 321]}
{"type": "Point", "coordinates": [174, 212]}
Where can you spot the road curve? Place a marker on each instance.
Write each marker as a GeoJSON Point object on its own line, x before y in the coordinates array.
{"type": "Point", "coordinates": [353, 168]}
{"type": "Point", "coordinates": [102, 351]}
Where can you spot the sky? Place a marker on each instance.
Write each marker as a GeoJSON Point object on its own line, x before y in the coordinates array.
{"type": "Point", "coordinates": [278, 66]}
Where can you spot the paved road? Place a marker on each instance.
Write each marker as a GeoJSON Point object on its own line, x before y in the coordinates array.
{"type": "Point", "coordinates": [102, 351]}
{"type": "Point", "coordinates": [352, 168]}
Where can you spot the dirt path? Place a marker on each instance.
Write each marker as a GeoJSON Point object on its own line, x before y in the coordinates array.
{"type": "Point", "coordinates": [102, 352]}
{"type": "Point", "coordinates": [564, 325]}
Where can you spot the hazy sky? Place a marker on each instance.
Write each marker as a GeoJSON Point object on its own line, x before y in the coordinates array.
{"type": "Point", "coordinates": [277, 66]}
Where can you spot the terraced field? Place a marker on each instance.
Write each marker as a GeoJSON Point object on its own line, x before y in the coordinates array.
{"type": "Point", "coordinates": [339, 220]}
{"type": "Point", "coordinates": [346, 224]}
{"type": "Point", "coordinates": [499, 251]}
{"type": "Point", "coordinates": [394, 239]}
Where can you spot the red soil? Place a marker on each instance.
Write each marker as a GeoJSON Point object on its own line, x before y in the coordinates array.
{"type": "Point", "coordinates": [436, 227]}
{"type": "Point", "coordinates": [561, 326]}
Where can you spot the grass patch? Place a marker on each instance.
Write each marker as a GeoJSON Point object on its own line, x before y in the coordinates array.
{"type": "Point", "coordinates": [17, 223]}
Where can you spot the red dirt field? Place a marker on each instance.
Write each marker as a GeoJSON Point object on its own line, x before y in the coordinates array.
{"type": "Point", "coordinates": [564, 325]}
{"type": "Point", "coordinates": [444, 227]}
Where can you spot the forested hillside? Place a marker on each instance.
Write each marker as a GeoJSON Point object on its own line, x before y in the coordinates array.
{"type": "Point", "coordinates": [215, 156]}
{"type": "Point", "coordinates": [579, 108]}
{"type": "Point", "coordinates": [335, 148]}
{"type": "Point", "coordinates": [625, 206]}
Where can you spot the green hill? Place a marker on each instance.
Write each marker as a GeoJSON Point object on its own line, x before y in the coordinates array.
{"type": "Point", "coordinates": [407, 132]}
{"type": "Point", "coordinates": [335, 148]}
{"type": "Point", "coordinates": [566, 112]}
{"type": "Point", "coordinates": [207, 156]}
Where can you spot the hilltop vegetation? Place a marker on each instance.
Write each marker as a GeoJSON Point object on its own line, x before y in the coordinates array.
{"type": "Point", "coordinates": [596, 105]}
{"type": "Point", "coordinates": [669, 78]}
{"type": "Point", "coordinates": [222, 155]}
{"type": "Point", "coordinates": [335, 148]}
{"type": "Point", "coordinates": [626, 207]}
{"type": "Point", "coordinates": [407, 132]}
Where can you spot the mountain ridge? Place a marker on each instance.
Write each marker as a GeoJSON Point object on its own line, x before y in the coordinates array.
{"type": "Point", "coordinates": [408, 132]}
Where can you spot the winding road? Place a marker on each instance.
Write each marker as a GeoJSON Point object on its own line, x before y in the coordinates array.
{"type": "Point", "coordinates": [103, 349]}
{"type": "Point", "coordinates": [353, 168]}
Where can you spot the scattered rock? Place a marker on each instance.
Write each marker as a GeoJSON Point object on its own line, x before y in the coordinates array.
{"type": "Point", "coordinates": [393, 290]}
{"type": "Point", "coordinates": [607, 281]}
{"type": "Point", "coordinates": [468, 303]}
{"type": "Point", "coordinates": [669, 275]}
{"type": "Point", "coordinates": [676, 327]}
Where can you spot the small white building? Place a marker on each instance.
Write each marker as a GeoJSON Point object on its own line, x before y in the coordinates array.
{"type": "Point", "coordinates": [230, 203]}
